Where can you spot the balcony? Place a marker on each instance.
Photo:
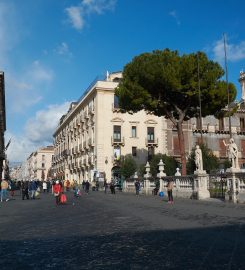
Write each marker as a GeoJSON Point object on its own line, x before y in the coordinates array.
{"type": "Point", "coordinates": [87, 114]}
{"type": "Point", "coordinates": [117, 141]}
{"type": "Point", "coordinates": [151, 142]}
{"type": "Point", "coordinates": [91, 110]}
{"type": "Point", "coordinates": [90, 142]}
{"type": "Point", "coordinates": [91, 160]}
{"type": "Point", "coordinates": [81, 149]}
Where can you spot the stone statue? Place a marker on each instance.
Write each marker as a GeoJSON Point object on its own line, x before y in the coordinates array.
{"type": "Point", "coordinates": [198, 159]}
{"type": "Point", "coordinates": [232, 153]}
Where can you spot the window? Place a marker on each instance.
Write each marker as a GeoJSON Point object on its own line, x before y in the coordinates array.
{"type": "Point", "coordinates": [43, 165]}
{"type": "Point", "coordinates": [116, 102]}
{"type": "Point", "coordinates": [134, 151]}
{"type": "Point", "coordinates": [150, 134]}
{"type": "Point", "coordinates": [242, 124]}
{"type": "Point", "coordinates": [133, 132]}
{"type": "Point", "coordinates": [117, 133]}
{"type": "Point", "coordinates": [43, 157]}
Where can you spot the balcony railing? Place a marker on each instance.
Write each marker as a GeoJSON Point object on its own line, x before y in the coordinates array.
{"type": "Point", "coordinates": [117, 141]}
{"type": "Point", "coordinates": [151, 142]}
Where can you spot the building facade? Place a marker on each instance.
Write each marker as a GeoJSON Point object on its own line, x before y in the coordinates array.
{"type": "Point", "coordinates": [92, 137]}
{"type": "Point", "coordinates": [39, 163]}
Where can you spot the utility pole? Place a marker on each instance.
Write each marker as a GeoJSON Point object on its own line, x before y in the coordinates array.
{"type": "Point", "coordinates": [227, 87]}
{"type": "Point", "coordinates": [199, 92]}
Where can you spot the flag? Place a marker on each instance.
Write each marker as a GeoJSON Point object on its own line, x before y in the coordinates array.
{"type": "Point", "coordinates": [6, 147]}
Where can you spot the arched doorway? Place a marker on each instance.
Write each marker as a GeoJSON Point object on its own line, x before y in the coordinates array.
{"type": "Point", "coordinates": [115, 173]}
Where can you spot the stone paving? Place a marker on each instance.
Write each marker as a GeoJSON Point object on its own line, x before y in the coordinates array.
{"type": "Point", "coordinates": [122, 231]}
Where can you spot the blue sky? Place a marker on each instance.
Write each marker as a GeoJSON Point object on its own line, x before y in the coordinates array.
{"type": "Point", "coordinates": [51, 50]}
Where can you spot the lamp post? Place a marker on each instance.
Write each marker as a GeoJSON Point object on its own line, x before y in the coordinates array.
{"type": "Point", "coordinates": [227, 87]}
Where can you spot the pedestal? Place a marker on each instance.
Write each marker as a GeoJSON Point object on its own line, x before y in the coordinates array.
{"type": "Point", "coordinates": [201, 185]}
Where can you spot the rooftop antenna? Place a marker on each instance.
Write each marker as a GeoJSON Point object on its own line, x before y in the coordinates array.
{"type": "Point", "coordinates": [227, 86]}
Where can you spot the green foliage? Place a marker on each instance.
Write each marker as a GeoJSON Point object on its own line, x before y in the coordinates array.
{"type": "Point", "coordinates": [170, 164]}
{"type": "Point", "coordinates": [210, 161]}
{"type": "Point", "coordinates": [128, 166]}
{"type": "Point", "coordinates": [141, 170]}
{"type": "Point", "coordinates": [165, 83]}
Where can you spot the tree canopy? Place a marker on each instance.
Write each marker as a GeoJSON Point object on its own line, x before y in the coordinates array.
{"type": "Point", "coordinates": [166, 84]}
{"type": "Point", "coordinates": [128, 166]}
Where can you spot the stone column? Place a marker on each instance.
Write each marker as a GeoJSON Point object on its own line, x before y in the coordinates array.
{"type": "Point", "coordinates": [231, 194]}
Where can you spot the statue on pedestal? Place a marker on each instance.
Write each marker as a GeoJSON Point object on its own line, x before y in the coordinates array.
{"type": "Point", "coordinates": [198, 159]}
{"type": "Point", "coordinates": [232, 153]}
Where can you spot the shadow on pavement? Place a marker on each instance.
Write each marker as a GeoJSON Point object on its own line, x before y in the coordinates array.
{"type": "Point", "coordinates": [205, 248]}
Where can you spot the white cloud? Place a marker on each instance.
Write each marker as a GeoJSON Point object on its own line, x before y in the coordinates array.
{"type": "Point", "coordinates": [75, 17]}
{"type": "Point", "coordinates": [235, 52]}
{"type": "Point", "coordinates": [39, 73]}
{"type": "Point", "coordinates": [63, 49]}
{"type": "Point", "coordinates": [78, 14]}
{"type": "Point", "coordinates": [26, 89]}
{"type": "Point", "coordinates": [42, 126]}
{"type": "Point", "coordinates": [173, 14]}
{"type": "Point", "coordinates": [38, 132]}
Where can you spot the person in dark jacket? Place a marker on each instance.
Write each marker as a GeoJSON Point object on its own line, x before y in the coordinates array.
{"type": "Point", "coordinates": [24, 190]}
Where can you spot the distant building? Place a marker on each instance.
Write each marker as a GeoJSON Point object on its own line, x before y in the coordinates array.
{"type": "Point", "coordinates": [39, 163]}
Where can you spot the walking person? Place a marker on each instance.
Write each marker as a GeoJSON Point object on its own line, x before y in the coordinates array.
{"type": "Point", "coordinates": [4, 190]}
{"type": "Point", "coordinates": [87, 185]}
{"type": "Point", "coordinates": [24, 190]}
{"type": "Point", "coordinates": [45, 186]}
{"type": "Point", "coordinates": [105, 186]}
{"type": "Point", "coordinates": [112, 187]}
{"type": "Point", "coordinates": [33, 189]}
{"type": "Point", "coordinates": [137, 187]}
{"type": "Point", "coordinates": [83, 185]}
{"type": "Point", "coordinates": [57, 191]}
{"type": "Point", "coordinates": [170, 186]}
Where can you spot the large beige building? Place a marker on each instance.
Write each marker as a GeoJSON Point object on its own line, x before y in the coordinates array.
{"type": "Point", "coordinates": [39, 163]}
{"type": "Point", "coordinates": [93, 135]}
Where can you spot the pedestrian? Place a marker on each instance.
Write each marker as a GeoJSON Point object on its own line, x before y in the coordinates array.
{"type": "Point", "coordinates": [170, 186]}
{"type": "Point", "coordinates": [4, 190]}
{"type": "Point", "coordinates": [44, 186]}
{"type": "Point", "coordinates": [112, 187]}
{"type": "Point", "coordinates": [48, 186]}
{"type": "Point", "coordinates": [57, 191]}
{"type": "Point", "coordinates": [87, 185]}
{"type": "Point", "coordinates": [137, 187]}
{"type": "Point", "coordinates": [83, 185]}
{"type": "Point", "coordinates": [12, 188]}
{"type": "Point", "coordinates": [105, 186]}
{"type": "Point", "coordinates": [33, 189]}
{"type": "Point", "coordinates": [24, 190]}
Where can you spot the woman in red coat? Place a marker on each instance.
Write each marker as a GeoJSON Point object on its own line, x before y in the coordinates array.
{"type": "Point", "coordinates": [57, 191]}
